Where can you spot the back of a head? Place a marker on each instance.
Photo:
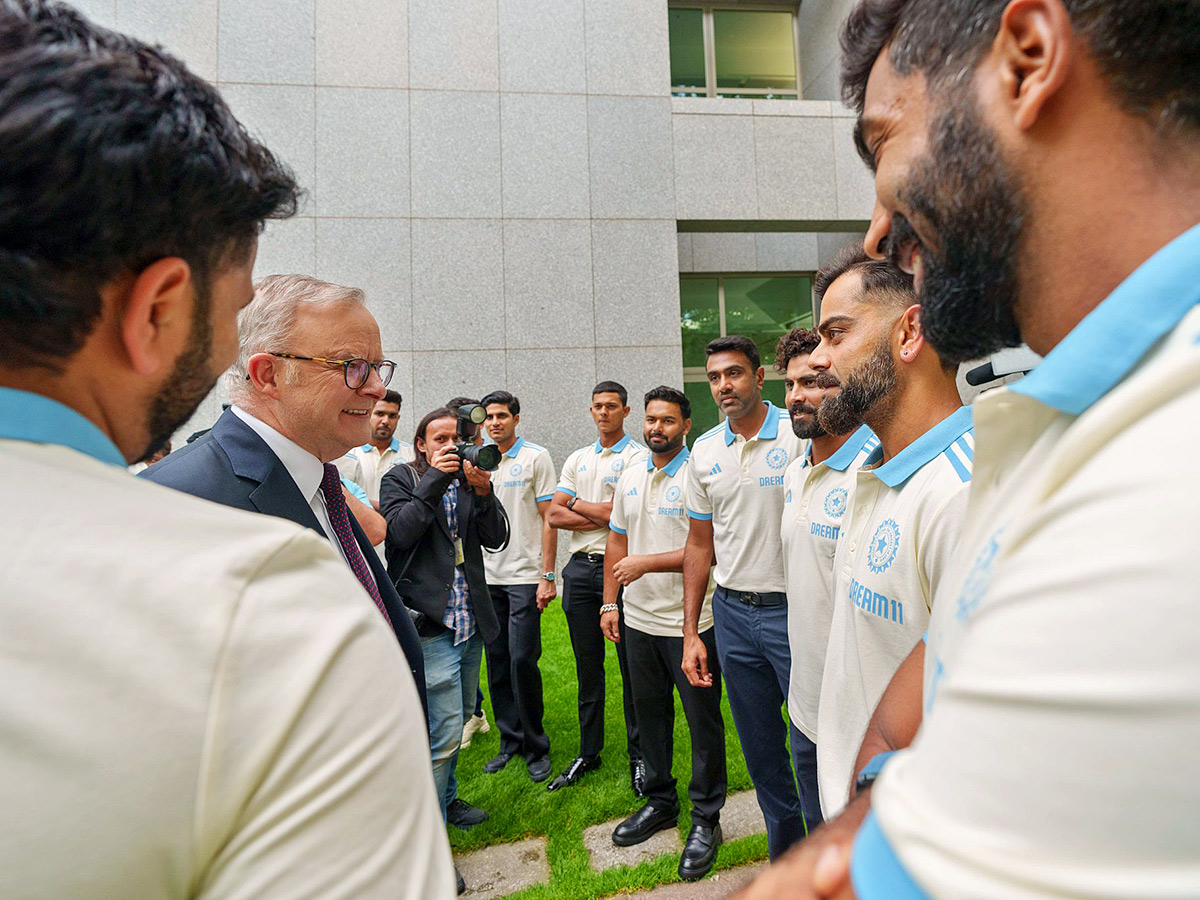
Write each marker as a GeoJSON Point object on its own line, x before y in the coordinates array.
{"type": "Point", "coordinates": [112, 155]}
{"type": "Point", "coordinates": [1148, 50]}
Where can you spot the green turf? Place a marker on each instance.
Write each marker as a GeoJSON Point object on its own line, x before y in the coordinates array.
{"type": "Point", "coordinates": [518, 808]}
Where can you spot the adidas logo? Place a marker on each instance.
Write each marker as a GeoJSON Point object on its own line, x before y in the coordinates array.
{"type": "Point", "coordinates": [715, 469]}
{"type": "Point", "coordinates": [632, 492]}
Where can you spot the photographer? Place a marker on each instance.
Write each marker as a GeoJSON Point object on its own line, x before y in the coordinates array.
{"type": "Point", "coordinates": [440, 514]}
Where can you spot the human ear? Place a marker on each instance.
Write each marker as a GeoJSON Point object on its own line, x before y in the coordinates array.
{"type": "Point", "coordinates": [265, 374]}
{"type": "Point", "coordinates": [1032, 52]}
{"type": "Point", "coordinates": [156, 315]}
{"type": "Point", "coordinates": [911, 335]}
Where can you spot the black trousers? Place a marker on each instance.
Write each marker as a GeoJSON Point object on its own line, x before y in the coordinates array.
{"type": "Point", "coordinates": [583, 594]}
{"type": "Point", "coordinates": [654, 668]}
{"type": "Point", "coordinates": [514, 679]}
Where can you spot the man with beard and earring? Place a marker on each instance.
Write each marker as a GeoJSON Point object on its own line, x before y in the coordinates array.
{"type": "Point", "coordinates": [644, 563]}
{"type": "Point", "coordinates": [818, 491]}
{"type": "Point", "coordinates": [908, 499]}
{"type": "Point", "coordinates": [734, 503]}
{"type": "Point", "coordinates": [199, 702]}
{"type": "Point", "coordinates": [1038, 166]}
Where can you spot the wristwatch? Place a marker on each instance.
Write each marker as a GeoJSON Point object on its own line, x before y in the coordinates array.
{"type": "Point", "coordinates": [870, 772]}
{"type": "Point", "coordinates": [548, 576]}
{"type": "Point", "coordinates": [571, 502]}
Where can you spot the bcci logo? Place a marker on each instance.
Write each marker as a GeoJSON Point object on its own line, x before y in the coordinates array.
{"type": "Point", "coordinates": [516, 470]}
{"type": "Point", "coordinates": [882, 551]}
{"type": "Point", "coordinates": [978, 579]}
{"type": "Point", "coordinates": [777, 458]}
{"type": "Point", "coordinates": [618, 465]}
{"type": "Point", "coordinates": [835, 503]}
{"type": "Point", "coordinates": [673, 493]}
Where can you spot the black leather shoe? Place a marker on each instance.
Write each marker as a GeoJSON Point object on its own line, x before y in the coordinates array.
{"type": "Point", "coordinates": [539, 769]}
{"type": "Point", "coordinates": [699, 852]}
{"type": "Point", "coordinates": [462, 885]}
{"type": "Point", "coordinates": [644, 823]}
{"type": "Point", "coordinates": [462, 814]}
{"type": "Point", "coordinates": [637, 776]}
{"type": "Point", "coordinates": [497, 762]}
{"type": "Point", "coordinates": [576, 770]}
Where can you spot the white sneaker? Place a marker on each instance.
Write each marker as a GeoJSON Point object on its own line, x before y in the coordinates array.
{"type": "Point", "coordinates": [475, 724]}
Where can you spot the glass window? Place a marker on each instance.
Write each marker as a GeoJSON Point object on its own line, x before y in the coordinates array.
{"type": "Point", "coordinates": [722, 51]}
{"type": "Point", "coordinates": [761, 307]}
{"type": "Point", "coordinates": [754, 50]}
{"type": "Point", "coordinates": [699, 316]}
{"type": "Point", "coordinates": [687, 52]}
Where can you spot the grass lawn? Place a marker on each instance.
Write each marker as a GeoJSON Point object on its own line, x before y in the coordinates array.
{"type": "Point", "coordinates": [518, 808]}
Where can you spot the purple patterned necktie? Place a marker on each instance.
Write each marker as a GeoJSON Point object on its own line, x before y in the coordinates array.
{"type": "Point", "coordinates": [339, 518]}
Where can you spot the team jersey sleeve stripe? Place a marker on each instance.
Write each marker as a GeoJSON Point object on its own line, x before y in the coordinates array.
{"type": "Point", "coordinates": [565, 490]}
{"type": "Point", "coordinates": [615, 528]}
{"type": "Point", "coordinates": [549, 496]}
{"type": "Point", "coordinates": [874, 869]}
{"type": "Point", "coordinates": [703, 517]}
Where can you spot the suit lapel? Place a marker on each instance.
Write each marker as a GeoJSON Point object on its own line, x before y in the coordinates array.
{"type": "Point", "coordinates": [276, 494]}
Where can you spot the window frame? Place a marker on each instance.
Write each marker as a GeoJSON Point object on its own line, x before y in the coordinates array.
{"type": "Point", "coordinates": [710, 47]}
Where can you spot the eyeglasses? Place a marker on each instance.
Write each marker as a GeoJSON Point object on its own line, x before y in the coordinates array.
{"type": "Point", "coordinates": [356, 371]}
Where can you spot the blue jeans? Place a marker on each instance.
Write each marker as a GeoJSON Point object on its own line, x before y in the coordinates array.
{"type": "Point", "coordinates": [752, 647]}
{"type": "Point", "coordinates": [451, 679]}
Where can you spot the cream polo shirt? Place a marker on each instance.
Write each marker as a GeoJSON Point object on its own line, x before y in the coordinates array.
{"type": "Point", "coordinates": [648, 509]}
{"type": "Point", "coordinates": [815, 500]}
{"type": "Point", "coordinates": [525, 479]}
{"type": "Point", "coordinates": [903, 524]}
{"type": "Point", "coordinates": [366, 465]}
{"type": "Point", "coordinates": [591, 474]}
{"type": "Point", "coordinates": [200, 702]}
{"type": "Point", "coordinates": [1062, 680]}
{"type": "Point", "coordinates": [738, 485]}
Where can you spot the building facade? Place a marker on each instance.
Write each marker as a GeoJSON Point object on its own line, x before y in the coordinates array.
{"type": "Point", "coordinates": [540, 194]}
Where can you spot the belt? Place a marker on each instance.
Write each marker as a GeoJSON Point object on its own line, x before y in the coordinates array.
{"type": "Point", "coordinates": [594, 558]}
{"type": "Point", "coordinates": [757, 598]}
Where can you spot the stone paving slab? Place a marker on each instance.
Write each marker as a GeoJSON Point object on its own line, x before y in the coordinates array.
{"type": "Point", "coordinates": [741, 816]}
{"type": "Point", "coordinates": [502, 869]}
{"type": "Point", "coordinates": [718, 884]}
{"type": "Point", "coordinates": [604, 854]}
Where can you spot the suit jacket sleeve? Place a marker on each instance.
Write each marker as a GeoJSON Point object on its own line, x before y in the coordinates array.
{"type": "Point", "coordinates": [409, 504]}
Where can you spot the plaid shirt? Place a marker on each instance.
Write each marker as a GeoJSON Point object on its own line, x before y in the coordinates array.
{"type": "Point", "coordinates": [458, 616]}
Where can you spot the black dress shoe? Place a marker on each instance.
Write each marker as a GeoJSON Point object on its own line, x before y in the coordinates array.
{"type": "Point", "coordinates": [539, 769]}
{"type": "Point", "coordinates": [644, 823]}
{"type": "Point", "coordinates": [572, 773]}
{"type": "Point", "coordinates": [699, 852]}
{"type": "Point", "coordinates": [497, 762]}
{"type": "Point", "coordinates": [462, 814]}
{"type": "Point", "coordinates": [637, 776]}
{"type": "Point", "coordinates": [462, 885]}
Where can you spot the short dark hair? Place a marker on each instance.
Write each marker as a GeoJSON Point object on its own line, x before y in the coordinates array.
{"type": "Point", "coordinates": [393, 397]}
{"type": "Point", "coordinates": [1149, 50]}
{"type": "Point", "coordinates": [670, 395]}
{"type": "Point", "coordinates": [882, 279]}
{"type": "Point", "coordinates": [735, 343]}
{"type": "Point", "coordinates": [420, 463]}
{"type": "Point", "coordinates": [112, 155]}
{"type": "Point", "coordinates": [513, 404]}
{"type": "Point", "coordinates": [611, 387]}
{"type": "Point", "coordinates": [797, 342]}
{"type": "Point", "coordinates": [456, 402]}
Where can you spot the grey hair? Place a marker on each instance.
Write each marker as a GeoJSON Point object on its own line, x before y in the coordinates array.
{"type": "Point", "coordinates": [266, 323]}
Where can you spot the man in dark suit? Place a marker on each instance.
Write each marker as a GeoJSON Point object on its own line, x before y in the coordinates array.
{"type": "Point", "coordinates": [308, 372]}
{"type": "Point", "coordinates": [441, 513]}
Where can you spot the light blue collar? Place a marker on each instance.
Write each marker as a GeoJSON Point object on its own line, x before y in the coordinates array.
{"type": "Point", "coordinates": [395, 448]}
{"type": "Point", "coordinates": [512, 451]}
{"type": "Point", "coordinates": [615, 448]}
{"type": "Point", "coordinates": [674, 465]}
{"type": "Point", "coordinates": [1115, 336]}
{"type": "Point", "coordinates": [841, 458]}
{"type": "Point", "coordinates": [40, 420]}
{"type": "Point", "coordinates": [769, 430]}
{"type": "Point", "coordinates": [904, 464]}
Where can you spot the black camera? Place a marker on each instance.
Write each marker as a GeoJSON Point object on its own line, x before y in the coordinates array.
{"type": "Point", "coordinates": [482, 456]}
